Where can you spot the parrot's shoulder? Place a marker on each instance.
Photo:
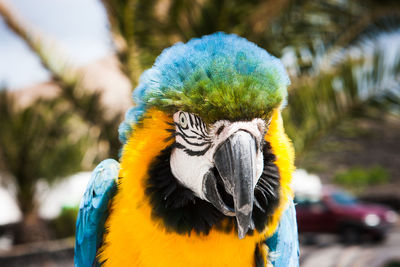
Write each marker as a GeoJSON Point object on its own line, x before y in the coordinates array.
{"type": "Point", "coordinates": [93, 211]}
{"type": "Point", "coordinates": [283, 245]}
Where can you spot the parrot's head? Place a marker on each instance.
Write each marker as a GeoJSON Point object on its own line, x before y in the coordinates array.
{"type": "Point", "coordinates": [222, 94]}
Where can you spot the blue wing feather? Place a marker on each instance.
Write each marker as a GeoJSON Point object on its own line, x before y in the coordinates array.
{"type": "Point", "coordinates": [284, 245]}
{"type": "Point", "coordinates": [93, 212]}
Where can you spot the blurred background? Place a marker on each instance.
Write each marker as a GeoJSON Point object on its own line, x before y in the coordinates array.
{"type": "Point", "coordinates": [68, 67]}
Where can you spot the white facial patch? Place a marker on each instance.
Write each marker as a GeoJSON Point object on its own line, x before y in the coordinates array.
{"type": "Point", "coordinates": [195, 145]}
{"type": "Point", "coordinates": [190, 170]}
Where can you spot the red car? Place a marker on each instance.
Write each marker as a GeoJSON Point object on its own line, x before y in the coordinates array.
{"type": "Point", "coordinates": [337, 212]}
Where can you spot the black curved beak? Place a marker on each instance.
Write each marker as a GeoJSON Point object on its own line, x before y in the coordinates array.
{"type": "Point", "coordinates": [235, 161]}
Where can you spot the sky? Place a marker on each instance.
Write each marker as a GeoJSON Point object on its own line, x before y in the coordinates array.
{"type": "Point", "coordinates": [79, 26]}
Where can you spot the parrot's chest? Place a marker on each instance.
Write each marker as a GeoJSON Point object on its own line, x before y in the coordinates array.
{"type": "Point", "coordinates": [135, 239]}
{"type": "Point", "coordinates": [172, 250]}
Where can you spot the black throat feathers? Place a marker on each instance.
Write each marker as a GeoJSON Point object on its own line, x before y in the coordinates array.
{"type": "Point", "coordinates": [183, 212]}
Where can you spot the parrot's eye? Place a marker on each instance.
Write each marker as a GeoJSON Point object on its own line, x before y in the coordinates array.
{"type": "Point", "coordinates": [183, 120]}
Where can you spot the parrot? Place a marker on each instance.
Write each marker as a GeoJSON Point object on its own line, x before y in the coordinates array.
{"type": "Point", "coordinates": [205, 167]}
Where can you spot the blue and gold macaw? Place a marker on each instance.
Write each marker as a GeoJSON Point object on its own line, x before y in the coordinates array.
{"type": "Point", "coordinates": [204, 174]}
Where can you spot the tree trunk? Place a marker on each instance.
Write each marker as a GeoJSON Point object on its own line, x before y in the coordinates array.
{"type": "Point", "coordinates": [31, 229]}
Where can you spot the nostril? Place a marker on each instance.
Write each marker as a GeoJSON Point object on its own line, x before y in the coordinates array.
{"type": "Point", "coordinates": [220, 129]}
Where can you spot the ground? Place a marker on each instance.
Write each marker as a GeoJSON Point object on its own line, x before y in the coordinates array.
{"type": "Point", "coordinates": [333, 254]}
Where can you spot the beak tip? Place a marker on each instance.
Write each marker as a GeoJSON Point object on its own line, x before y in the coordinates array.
{"type": "Point", "coordinates": [241, 234]}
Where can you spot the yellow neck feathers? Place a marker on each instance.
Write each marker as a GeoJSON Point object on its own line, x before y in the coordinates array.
{"type": "Point", "coordinates": [134, 238]}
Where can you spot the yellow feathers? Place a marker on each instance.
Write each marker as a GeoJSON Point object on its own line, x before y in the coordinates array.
{"type": "Point", "coordinates": [134, 238]}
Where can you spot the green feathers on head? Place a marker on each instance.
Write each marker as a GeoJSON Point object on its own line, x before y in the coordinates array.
{"type": "Point", "coordinates": [218, 76]}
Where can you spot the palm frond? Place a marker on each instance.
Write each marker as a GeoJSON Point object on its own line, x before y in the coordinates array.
{"type": "Point", "coordinates": [366, 74]}
{"type": "Point", "coordinates": [86, 102]}
{"type": "Point", "coordinates": [37, 142]}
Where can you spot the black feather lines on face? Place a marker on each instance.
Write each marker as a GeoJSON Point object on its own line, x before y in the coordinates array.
{"type": "Point", "coordinates": [178, 207]}
{"type": "Point", "coordinates": [181, 211]}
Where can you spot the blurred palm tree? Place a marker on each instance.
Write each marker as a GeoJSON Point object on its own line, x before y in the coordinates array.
{"type": "Point", "coordinates": [86, 103]}
{"type": "Point", "coordinates": [36, 143]}
{"type": "Point", "coordinates": [317, 102]}
{"type": "Point", "coordinates": [150, 26]}
{"type": "Point", "coordinates": [316, 32]}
